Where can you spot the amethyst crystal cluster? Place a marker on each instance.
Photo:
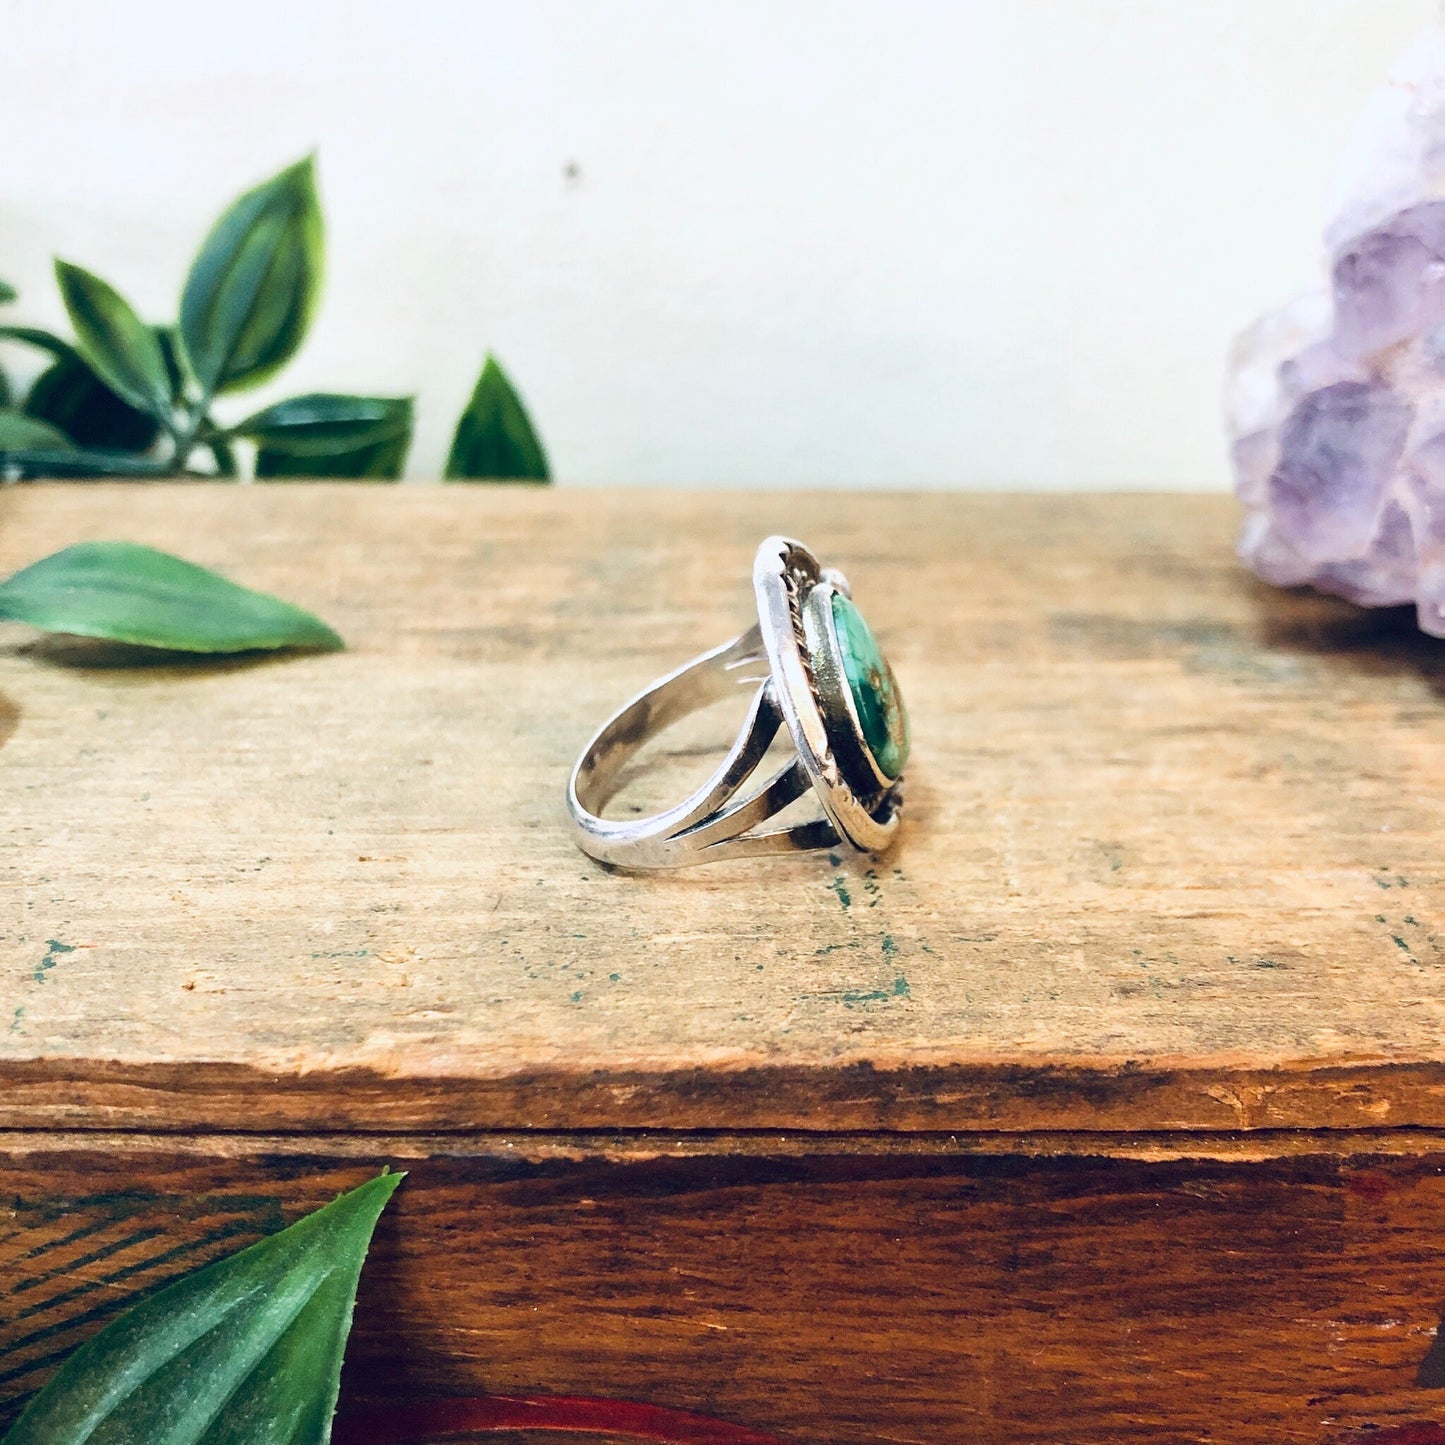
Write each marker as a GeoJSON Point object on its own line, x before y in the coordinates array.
{"type": "Point", "coordinates": [1337, 402]}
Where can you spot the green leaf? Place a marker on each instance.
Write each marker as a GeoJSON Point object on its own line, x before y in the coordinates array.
{"type": "Point", "coordinates": [34, 336]}
{"type": "Point", "coordinates": [7, 292]}
{"type": "Point", "coordinates": [69, 395]}
{"type": "Point", "coordinates": [324, 425]}
{"type": "Point", "coordinates": [253, 286]}
{"type": "Point", "coordinates": [494, 437]}
{"type": "Point", "coordinates": [32, 463]}
{"type": "Point", "coordinates": [6, 395]}
{"type": "Point", "coordinates": [18, 431]}
{"type": "Point", "coordinates": [129, 593]}
{"type": "Point", "coordinates": [322, 435]}
{"type": "Point", "coordinates": [383, 461]}
{"type": "Point", "coordinates": [244, 1352]}
{"type": "Point", "coordinates": [118, 346]}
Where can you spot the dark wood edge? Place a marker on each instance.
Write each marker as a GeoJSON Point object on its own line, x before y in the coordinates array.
{"type": "Point", "coordinates": [67, 1095]}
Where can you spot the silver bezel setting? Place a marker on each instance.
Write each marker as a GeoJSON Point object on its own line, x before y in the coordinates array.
{"type": "Point", "coordinates": [795, 615]}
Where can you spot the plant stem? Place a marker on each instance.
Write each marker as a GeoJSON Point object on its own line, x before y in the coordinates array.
{"type": "Point", "coordinates": [224, 454]}
{"type": "Point", "coordinates": [188, 436]}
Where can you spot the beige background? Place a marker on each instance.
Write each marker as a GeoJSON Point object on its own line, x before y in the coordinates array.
{"type": "Point", "coordinates": [935, 243]}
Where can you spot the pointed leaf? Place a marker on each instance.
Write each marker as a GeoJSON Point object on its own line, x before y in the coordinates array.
{"type": "Point", "coordinates": [18, 431]}
{"type": "Point", "coordinates": [77, 463]}
{"type": "Point", "coordinates": [119, 347]}
{"type": "Point", "coordinates": [325, 425]}
{"type": "Point", "coordinates": [69, 395]}
{"type": "Point", "coordinates": [245, 1352]}
{"type": "Point", "coordinates": [129, 593]}
{"type": "Point", "coordinates": [253, 286]}
{"type": "Point", "coordinates": [7, 292]}
{"type": "Point", "coordinates": [495, 438]}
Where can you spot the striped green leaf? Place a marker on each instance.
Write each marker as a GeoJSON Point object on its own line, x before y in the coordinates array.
{"type": "Point", "coordinates": [116, 344]}
{"type": "Point", "coordinates": [244, 1352]}
{"type": "Point", "coordinates": [253, 287]}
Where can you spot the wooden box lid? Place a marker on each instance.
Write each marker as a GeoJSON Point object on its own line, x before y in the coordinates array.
{"type": "Point", "coordinates": [1171, 856]}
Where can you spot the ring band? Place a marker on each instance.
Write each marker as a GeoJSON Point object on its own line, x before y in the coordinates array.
{"type": "Point", "coordinates": [815, 669]}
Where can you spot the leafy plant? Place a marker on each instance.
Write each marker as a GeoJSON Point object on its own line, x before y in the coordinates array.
{"type": "Point", "coordinates": [124, 592]}
{"type": "Point", "coordinates": [129, 399]}
{"type": "Point", "coordinates": [246, 1350]}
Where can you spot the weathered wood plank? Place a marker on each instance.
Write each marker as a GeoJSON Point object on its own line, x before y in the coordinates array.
{"type": "Point", "coordinates": [824, 1297]}
{"type": "Point", "coordinates": [1171, 855]}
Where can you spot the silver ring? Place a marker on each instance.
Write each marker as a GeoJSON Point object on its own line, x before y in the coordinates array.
{"type": "Point", "coordinates": [814, 667]}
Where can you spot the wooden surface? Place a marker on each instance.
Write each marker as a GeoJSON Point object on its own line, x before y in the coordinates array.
{"type": "Point", "coordinates": [1171, 856]}
{"type": "Point", "coordinates": [830, 1297]}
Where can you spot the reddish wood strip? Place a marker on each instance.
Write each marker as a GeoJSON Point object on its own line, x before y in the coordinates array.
{"type": "Point", "coordinates": [830, 1299]}
{"type": "Point", "coordinates": [550, 1414]}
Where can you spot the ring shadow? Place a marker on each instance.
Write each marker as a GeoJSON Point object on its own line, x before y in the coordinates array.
{"type": "Point", "coordinates": [1374, 641]}
{"type": "Point", "coordinates": [9, 719]}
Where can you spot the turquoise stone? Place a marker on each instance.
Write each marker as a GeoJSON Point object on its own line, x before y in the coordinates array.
{"type": "Point", "coordinates": [876, 697]}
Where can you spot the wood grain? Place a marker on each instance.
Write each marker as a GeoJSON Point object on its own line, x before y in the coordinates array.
{"type": "Point", "coordinates": [825, 1297]}
{"type": "Point", "coordinates": [1171, 856]}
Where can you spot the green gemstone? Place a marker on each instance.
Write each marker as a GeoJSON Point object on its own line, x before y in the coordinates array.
{"type": "Point", "coordinates": [876, 697]}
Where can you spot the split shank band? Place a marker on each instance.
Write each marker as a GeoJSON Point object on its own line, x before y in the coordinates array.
{"type": "Point", "coordinates": [814, 669]}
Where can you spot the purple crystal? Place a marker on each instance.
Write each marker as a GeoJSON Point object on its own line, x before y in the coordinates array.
{"type": "Point", "coordinates": [1337, 402]}
{"type": "Point", "coordinates": [1389, 284]}
{"type": "Point", "coordinates": [1338, 449]}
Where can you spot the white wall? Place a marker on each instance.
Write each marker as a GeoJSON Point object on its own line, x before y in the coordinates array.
{"type": "Point", "coordinates": [972, 243]}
